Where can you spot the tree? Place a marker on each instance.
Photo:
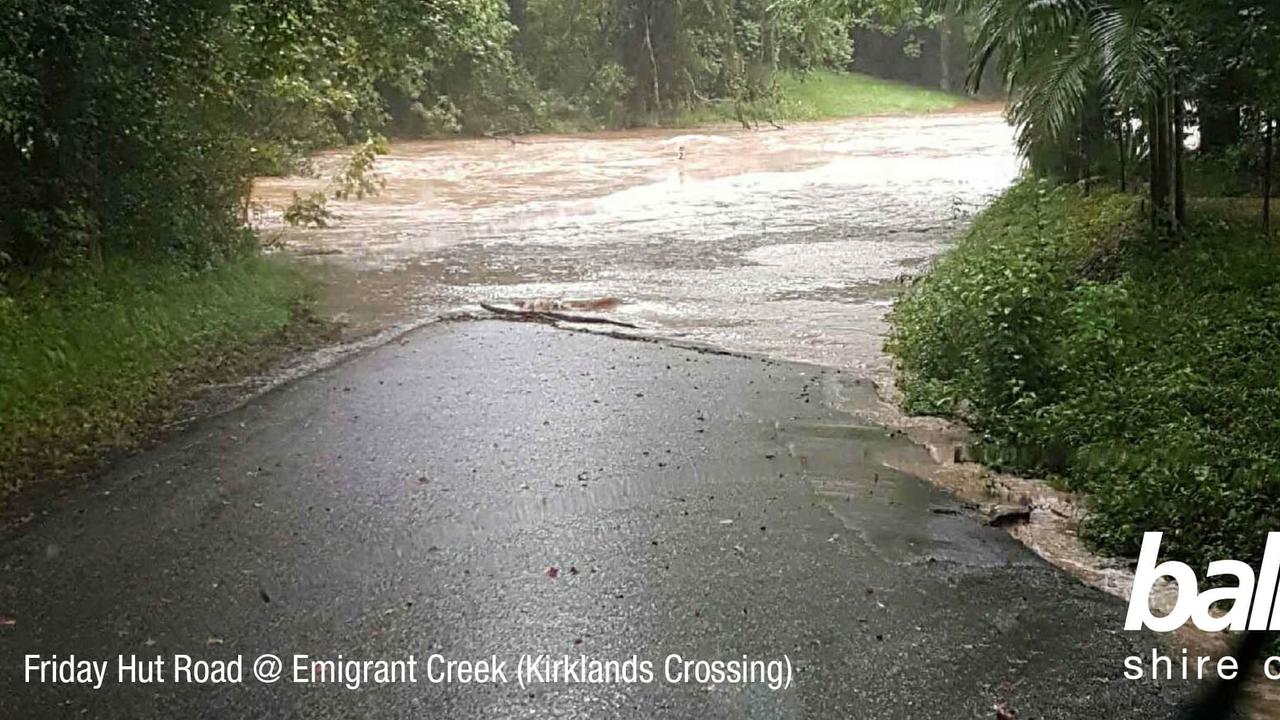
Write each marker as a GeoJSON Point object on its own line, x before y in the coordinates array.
{"type": "Point", "coordinates": [138, 126]}
{"type": "Point", "coordinates": [1132, 75]}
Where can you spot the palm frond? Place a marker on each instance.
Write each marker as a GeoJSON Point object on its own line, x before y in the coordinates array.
{"type": "Point", "coordinates": [1054, 89]}
{"type": "Point", "coordinates": [1130, 40]}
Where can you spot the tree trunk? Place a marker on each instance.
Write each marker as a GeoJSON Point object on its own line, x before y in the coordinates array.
{"type": "Point", "coordinates": [518, 11]}
{"type": "Point", "coordinates": [1157, 132]}
{"type": "Point", "coordinates": [953, 52]}
{"type": "Point", "coordinates": [653, 63]}
{"type": "Point", "coordinates": [1267, 173]}
{"type": "Point", "coordinates": [1124, 151]}
{"type": "Point", "coordinates": [1178, 138]}
{"type": "Point", "coordinates": [1083, 170]}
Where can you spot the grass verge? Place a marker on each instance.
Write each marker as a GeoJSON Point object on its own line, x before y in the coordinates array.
{"type": "Point", "coordinates": [100, 361]}
{"type": "Point", "coordinates": [827, 95]}
{"type": "Point", "coordinates": [1081, 348]}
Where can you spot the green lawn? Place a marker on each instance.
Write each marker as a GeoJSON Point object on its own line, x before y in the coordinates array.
{"type": "Point", "coordinates": [822, 95]}
{"type": "Point", "coordinates": [825, 95]}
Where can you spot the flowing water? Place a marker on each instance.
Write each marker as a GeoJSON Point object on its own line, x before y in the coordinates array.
{"type": "Point", "coordinates": [789, 242]}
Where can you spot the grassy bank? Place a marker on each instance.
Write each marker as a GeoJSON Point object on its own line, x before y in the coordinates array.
{"type": "Point", "coordinates": [827, 95]}
{"type": "Point", "coordinates": [1082, 349]}
{"type": "Point", "coordinates": [96, 362]}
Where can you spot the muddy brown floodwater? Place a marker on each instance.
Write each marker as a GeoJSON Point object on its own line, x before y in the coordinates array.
{"type": "Point", "coordinates": [790, 243]}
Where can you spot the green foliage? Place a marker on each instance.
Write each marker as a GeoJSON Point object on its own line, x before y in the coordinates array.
{"type": "Point", "coordinates": [640, 61]}
{"type": "Point", "coordinates": [310, 210]}
{"type": "Point", "coordinates": [357, 178]}
{"type": "Point", "coordinates": [1097, 84]}
{"type": "Point", "coordinates": [1142, 375]}
{"type": "Point", "coordinates": [85, 359]}
{"type": "Point", "coordinates": [139, 126]}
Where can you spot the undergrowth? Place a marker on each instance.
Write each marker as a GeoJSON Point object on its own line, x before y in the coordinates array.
{"type": "Point", "coordinates": [86, 362]}
{"type": "Point", "coordinates": [1082, 348]}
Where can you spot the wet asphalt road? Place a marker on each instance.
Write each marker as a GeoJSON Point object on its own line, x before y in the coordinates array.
{"type": "Point", "coordinates": [412, 499]}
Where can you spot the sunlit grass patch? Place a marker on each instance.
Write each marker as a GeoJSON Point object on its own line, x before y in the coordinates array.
{"type": "Point", "coordinates": [825, 95]}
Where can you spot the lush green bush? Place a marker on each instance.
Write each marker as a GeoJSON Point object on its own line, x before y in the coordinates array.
{"type": "Point", "coordinates": [1080, 347]}
{"type": "Point", "coordinates": [85, 360]}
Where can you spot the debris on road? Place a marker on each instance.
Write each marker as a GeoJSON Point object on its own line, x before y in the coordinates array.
{"type": "Point", "coordinates": [551, 316]}
{"type": "Point", "coordinates": [1005, 515]}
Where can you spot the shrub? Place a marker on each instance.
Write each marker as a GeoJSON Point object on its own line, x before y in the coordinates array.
{"type": "Point", "coordinates": [1082, 349]}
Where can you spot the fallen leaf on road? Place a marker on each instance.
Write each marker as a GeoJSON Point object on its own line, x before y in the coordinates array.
{"type": "Point", "coordinates": [1004, 712]}
{"type": "Point", "coordinates": [553, 572]}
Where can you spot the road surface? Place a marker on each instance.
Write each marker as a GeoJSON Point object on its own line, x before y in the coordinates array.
{"type": "Point", "coordinates": [419, 498]}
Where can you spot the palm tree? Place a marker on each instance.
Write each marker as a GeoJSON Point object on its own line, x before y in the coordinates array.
{"type": "Point", "coordinates": [1071, 63]}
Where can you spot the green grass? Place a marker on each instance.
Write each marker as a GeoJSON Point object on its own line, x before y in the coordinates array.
{"type": "Point", "coordinates": [821, 95]}
{"type": "Point", "coordinates": [91, 364]}
{"type": "Point", "coordinates": [826, 95]}
{"type": "Point", "coordinates": [1082, 348]}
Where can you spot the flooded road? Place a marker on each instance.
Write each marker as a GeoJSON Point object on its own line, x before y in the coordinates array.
{"type": "Point", "coordinates": [506, 489]}
{"type": "Point", "coordinates": [789, 243]}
